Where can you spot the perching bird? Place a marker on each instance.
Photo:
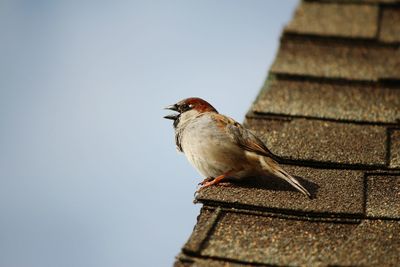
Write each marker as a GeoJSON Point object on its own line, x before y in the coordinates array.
{"type": "Point", "coordinates": [221, 148]}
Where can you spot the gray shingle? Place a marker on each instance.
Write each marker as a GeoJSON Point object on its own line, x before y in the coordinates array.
{"type": "Point", "coordinates": [322, 141]}
{"type": "Point", "coordinates": [336, 191]}
{"type": "Point", "coordinates": [332, 19]}
{"type": "Point", "coordinates": [395, 149]}
{"type": "Point", "coordinates": [383, 196]}
{"type": "Point", "coordinates": [205, 223]}
{"type": "Point", "coordinates": [239, 239]}
{"type": "Point", "coordinates": [367, 103]}
{"type": "Point", "coordinates": [390, 25]}
{"type": "Point", "coordinates": [372, 243]}
{"type": "Point", "coordinates": [336, 60]}
{"type": "Point", "coordinates": [268, 240]}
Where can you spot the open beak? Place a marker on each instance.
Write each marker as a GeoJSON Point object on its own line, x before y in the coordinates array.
{"type": "Point", "coordinates": [172, 117]}
{"type": "Point", "coordinates": [173, 107]}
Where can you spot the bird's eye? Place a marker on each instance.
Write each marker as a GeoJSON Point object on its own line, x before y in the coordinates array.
{"type": "Point", "coordinates": [186, 107]}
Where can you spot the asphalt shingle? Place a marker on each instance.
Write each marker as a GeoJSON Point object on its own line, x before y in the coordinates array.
{"type": "Point", "coordinates": [259, 239]}
{"type": "Point", "coordinates": [372, 243]}
{"type": "Point", "coordinates": [336, 60]}
{"type": "Point", "coordinates": [383, 196]}
{"type": "Point", "coordinates": [390, 25]}
{"type": "Point", "coordinates": [323, 99]}
{"type": "Point", "coordinates": [335, 191]}
{"type": "Point", "coordinates": [395, 148]}
{"type": "Point", "coordinates": [352, 20]}
{"type": "Point", "coordinates": [242, 239]}
{"type": "Point", "coordinates": [205, 223]}
{"type": "Point", "coordinates": [322, 141]}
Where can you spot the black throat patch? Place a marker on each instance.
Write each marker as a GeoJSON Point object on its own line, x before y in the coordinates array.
{"type": "Point", "coordinates": [178, 134]}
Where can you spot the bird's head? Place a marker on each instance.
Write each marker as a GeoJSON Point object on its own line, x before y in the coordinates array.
{"type": "Point", "coordinates": [188, 108]}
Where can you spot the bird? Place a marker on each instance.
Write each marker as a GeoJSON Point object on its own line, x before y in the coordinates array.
{"type": "Point", "coordinates": [221, 148]}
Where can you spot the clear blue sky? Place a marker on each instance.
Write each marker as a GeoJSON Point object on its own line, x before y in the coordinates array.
{"type": "Point", "coordinates": [89, 175]}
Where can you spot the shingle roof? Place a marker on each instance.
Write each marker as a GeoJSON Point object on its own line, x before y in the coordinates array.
{"type": "Point", "coordinates": [337, 59]}
{"type": "Point", "coordinates": [330, 111]}
{"type": "Point", "coordinates": [330, 100]}
{"type": "Point", "coordinates": [335, 19]}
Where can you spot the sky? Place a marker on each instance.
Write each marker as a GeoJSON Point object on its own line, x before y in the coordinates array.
{"type": "Point", "coordinates": [89, 173]}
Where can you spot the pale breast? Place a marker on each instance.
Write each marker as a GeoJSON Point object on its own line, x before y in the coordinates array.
{"type": "Point", "coordinates": [208, 148]}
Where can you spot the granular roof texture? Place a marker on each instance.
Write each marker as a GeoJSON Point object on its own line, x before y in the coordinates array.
{"type": "Point", "coordinates": [330, 113]}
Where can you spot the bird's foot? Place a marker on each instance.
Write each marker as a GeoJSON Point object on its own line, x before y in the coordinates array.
{"type": "Point", "coordinates": [209, 181]}
{"type": "Point", "coordinates": [206, 180]}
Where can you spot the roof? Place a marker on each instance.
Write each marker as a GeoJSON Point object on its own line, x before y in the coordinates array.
{"type": "Point", "coordinates": [330, 111]}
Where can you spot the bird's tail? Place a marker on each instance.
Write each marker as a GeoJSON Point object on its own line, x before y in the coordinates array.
{"type": "Point", "coordinates": [272, 167]}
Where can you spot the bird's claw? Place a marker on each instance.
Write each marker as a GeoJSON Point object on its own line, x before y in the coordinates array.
{"type": "Point", "coordinates": [203, 184]}
{"type": "Point", "coordinates": [206, 180]}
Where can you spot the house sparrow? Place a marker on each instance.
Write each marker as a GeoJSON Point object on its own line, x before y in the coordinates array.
{"type": "Point", "coordinates": [220, 148]}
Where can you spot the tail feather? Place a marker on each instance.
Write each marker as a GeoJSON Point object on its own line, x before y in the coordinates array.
{"type": "Point", "coordinates": [293, 181]}
{"type": "Point", "coordinates": [272, 167]}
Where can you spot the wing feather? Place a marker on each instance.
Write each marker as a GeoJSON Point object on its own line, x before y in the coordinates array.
{"type": "Point", "coordinates": [243, 137]}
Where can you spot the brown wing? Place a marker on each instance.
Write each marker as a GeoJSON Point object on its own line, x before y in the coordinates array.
{"type": "Point", "coordinates": [243, 137]}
